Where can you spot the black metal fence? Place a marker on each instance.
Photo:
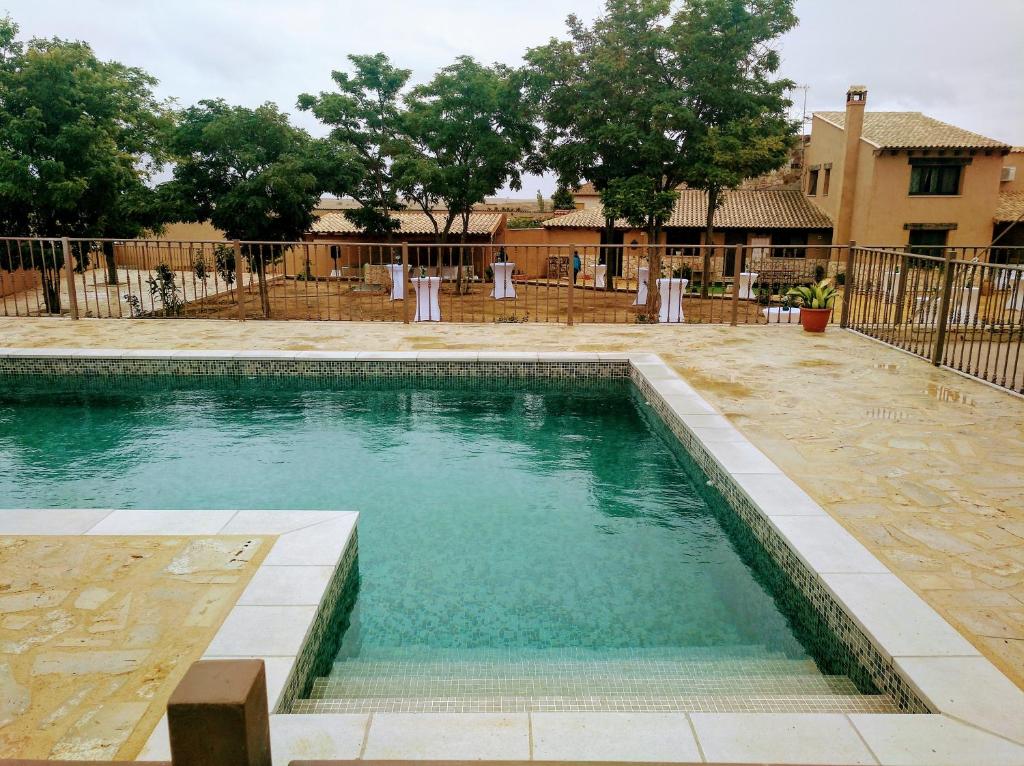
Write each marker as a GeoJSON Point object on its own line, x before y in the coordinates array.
{"type": "Point", "coordinates": [948, 306]}
{"type": "Point", "coordinates": [418, 281]}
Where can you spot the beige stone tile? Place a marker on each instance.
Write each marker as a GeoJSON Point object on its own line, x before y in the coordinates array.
{"type": "Point", "coordinates": [971, 689]}
{"type": "Point", "coordinates": [899, 621]}
{"type": "Point", "coordinates": [815, 738]}
{"type": "Point", "coordinates": [931, 740]}
{"type": "Point", "coordinates": [262, 631]}
{"type": "Point", "coordinates": [313, 737]}
{"type": "Point", "coordinates": [448, 736]}
{"type": "Point", "coordinates": [648, 737]}
{"type": "Point", "coordinates": [287, 585]}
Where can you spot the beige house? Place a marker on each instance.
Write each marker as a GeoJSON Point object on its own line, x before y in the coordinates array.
{"type": "Point", "coordinates": [903, 178]}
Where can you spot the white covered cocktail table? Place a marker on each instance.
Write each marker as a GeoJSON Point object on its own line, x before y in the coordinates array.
{"type": "Point", "coordinates": [671, 293]}
{"type": "Point", "coordinates": [746, 286]}
{"type": "Point", "coordinates": [427, 290]}
{"type": "Point", "coordinates": [503, 287]}
{"type": "Point", "coordinates": [397, 273]}
{"type": "Point", "coordinates": [641, 288]}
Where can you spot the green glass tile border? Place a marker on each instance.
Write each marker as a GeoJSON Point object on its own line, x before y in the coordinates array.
{"type": "Point", "coordinates": [882, 672]}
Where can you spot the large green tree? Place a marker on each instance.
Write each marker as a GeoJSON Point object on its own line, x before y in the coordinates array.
{"type": "Point", "coordinates": [725, 55]}
{"type": "Point", "coordinates": [80, 140]}
{"type": "Point", "coordinates": [466, 133]}
{"type": "Point", "coordinates": [613, 109]}
{"type": "Point", "coordinates": [366, 118]}
{"type": "Point", "coordinates": [254, 175]}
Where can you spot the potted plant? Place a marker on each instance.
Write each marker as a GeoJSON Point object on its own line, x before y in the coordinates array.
{"type": "Point", "coordinates": [816, 302]}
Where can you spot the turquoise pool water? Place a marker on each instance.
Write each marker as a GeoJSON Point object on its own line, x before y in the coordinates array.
{"type": "Point", "coordinates": [496, 522]}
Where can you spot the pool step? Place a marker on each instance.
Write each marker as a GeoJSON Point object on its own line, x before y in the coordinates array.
{"type": "Point", "coordinates": [747, 703]}
{"type": "Point", "coordinates": [561, 685]}
{"type": "Point", "coordinates": [736, 679]}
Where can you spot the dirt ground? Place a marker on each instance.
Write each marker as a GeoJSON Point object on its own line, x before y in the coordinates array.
{"type": "Point", "coordinates": [534, 302]}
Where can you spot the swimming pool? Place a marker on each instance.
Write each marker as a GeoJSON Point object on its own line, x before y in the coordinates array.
{"type": "Point", "coordinates": [523, 545]}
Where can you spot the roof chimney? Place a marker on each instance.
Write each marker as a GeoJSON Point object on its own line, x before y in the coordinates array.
{"type": "Point", "coordinates": [853, 127]}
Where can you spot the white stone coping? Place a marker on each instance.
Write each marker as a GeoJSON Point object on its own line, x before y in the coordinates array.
{"type": "Point", "coordinates": [979, 712]}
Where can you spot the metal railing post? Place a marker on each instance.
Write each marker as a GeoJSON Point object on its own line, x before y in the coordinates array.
{"type": "Point", "coordinates": [848, 284]}
{"type": "Point", "coordinates": [943, 318]}
{"type": "Point", "coordinates": [69, 273]}
{"type": "Point", "coordinates": [405, 282]}
{"type": "Point", "coordinates": [901, 287]}
{"type": "Point", "coordinates": [217, 715]}
{"type": "Point", "coordinates": [568, 297]}
{"type": "Point", "coordinates": [239, 293]}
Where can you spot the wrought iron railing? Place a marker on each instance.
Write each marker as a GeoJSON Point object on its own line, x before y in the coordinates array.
{"type": "Point", "coordinates": [372, 281]}
{"type": "Point", "coordinates": [953, 309]}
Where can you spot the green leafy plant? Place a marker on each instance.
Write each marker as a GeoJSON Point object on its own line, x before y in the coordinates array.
{"type": "Point", "coordinates": [164, 289]}
{"type": "Point", "coordinates": [134, 304]}
{"type": "Point", "coordinates": [224, 260]}
{"type": "Point", "coordinates": [817, 296]}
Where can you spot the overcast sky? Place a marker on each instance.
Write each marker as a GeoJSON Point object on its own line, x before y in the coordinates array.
{"type": "Point", "coordinates": [955, 60]}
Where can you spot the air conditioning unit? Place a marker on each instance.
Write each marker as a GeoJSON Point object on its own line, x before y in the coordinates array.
{"type": "Point", "coordinates": [1009, 174]}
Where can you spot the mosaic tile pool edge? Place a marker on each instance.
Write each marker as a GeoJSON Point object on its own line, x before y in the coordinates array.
{"type": "Point", "coordinates": [315, 653]}
{"type": "Point", "coordinates": [882, 672]}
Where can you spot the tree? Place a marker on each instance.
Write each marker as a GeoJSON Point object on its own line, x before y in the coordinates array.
{"type": "Point", "coordinates": [562, 199]}
{"type": "Point", "coordinates": [614, 108]}
{"type": "Point", "coordinates": [254, 175]}
{"type": "Point", "coordinates": [643, 205]}
{"type": "Point", "coordinates": [80, 140]}
{"type": "Point", "coordinates": [366, 120]}
{"type": "Point", "coordinates": [464, 136]}
{"type": "Point", "coordinates": [725, 57]}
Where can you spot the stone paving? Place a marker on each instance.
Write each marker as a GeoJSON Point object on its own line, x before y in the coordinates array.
{"type": "Point", "coordinates": [95, 633]}
{"type": "Point", "coordinates": [925, 467]}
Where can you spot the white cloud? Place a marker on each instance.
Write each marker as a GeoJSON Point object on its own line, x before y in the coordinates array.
{"type": "Point", "coordinates": [957, 61]}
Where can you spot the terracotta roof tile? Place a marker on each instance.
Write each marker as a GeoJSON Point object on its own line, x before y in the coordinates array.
{"type": "Point", "coordinates": [913, 130]}
{"type": "Point", "coordinates": [741, 209]}
{"type": "Point", "coordinates": [1010, 207]}
{"type": "Point", "coordinates": [412, 222]}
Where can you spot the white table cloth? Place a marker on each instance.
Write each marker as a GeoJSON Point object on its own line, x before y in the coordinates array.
{"type": "Point", "coordinates": [600, 273]}
{"type": "Point", "coordinates": [747, 279]}
{"type": "Point", "coordinates": [503, 287]}
{"type": "Point", "coordinates": [641, 288]}
{"type": "Point", "coordinates": [777, 315]}
{"type": "Point", "coordinates": [967, 310]}
{"type": "Point", "coordinates": [427, 290]}
{"type": "Point", "coordinates": [1013, 279]}
{"type": "Point", "coordinates": [396, 272]}
{"type": "Point", "coordinates": [671, 292]}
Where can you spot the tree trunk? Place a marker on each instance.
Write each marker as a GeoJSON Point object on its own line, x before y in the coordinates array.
{"type": "Point", "coordinates": [261, 280]}
{"type": "Point", "coordinates": [108, 256]}
{"type": "Point", "coordinates": [709, 231]}
{"type": "Point", "coordinates": [51, 290]}
{"type": "Point", "coordinates": [462, 254]}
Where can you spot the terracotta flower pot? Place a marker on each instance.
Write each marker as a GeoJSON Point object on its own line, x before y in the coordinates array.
{"type": "Point", "coordinates": [814, 320]}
